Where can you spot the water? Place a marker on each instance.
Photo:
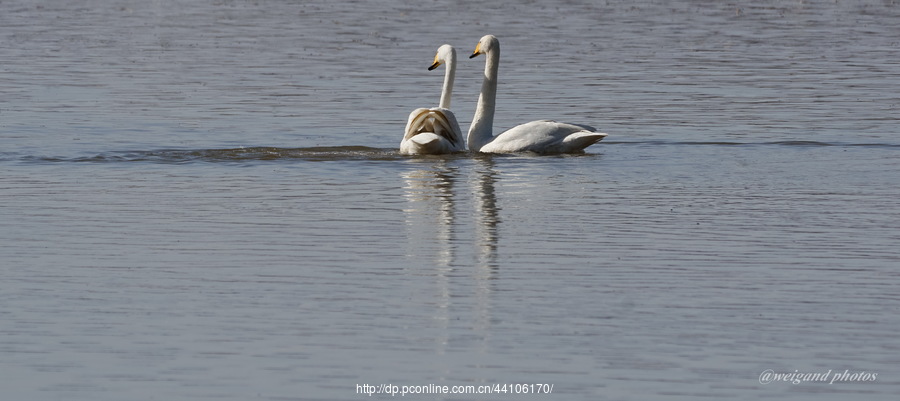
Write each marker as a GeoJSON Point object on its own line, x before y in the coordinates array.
{"type": "Point", "coordinates": [204, 200]}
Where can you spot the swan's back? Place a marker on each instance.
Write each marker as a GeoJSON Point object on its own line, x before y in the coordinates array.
{"type": "Point", "coordinates": [544, 136]}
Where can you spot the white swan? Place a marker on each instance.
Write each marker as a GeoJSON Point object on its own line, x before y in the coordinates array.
{"type": "Point", "coordinates": [543, 136]}
{"type": "Point", "coordinates": [435, 130]}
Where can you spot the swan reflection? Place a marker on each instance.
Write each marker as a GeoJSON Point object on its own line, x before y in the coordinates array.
{"type": "Point", "coordinates": [430, 213]}
{"type": "Point", "coordinates": [443, 235]}
{"type": "Point", "coordinates": [435, 211]}
{"type": "Point", "coordinates": [487, 213]}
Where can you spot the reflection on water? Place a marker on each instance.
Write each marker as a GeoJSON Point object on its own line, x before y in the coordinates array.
{"type": "Point", "coordinates": [429, 216]}
{"type": "Point", "coordinates": [436, 229]}
{"type": "Point", "coordinates": [433, 199]}
{"type": "Point", "coordinates": [487, 238]}
{"type": "Point", "coordinates": [430, 213]}
{"type": "Point", "coordinates": [487, 213]}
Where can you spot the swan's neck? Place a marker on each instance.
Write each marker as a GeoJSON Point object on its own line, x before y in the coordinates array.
{"type": "Point", "coordinates": [449, 77]}
{"type": "Point", "coordinates": [481, 131]}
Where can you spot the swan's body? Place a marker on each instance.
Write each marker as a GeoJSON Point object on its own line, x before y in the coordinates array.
{"type": "Point", "coordinates": [435, 130]}
{"type": "Point", "coordinates": [542, 136]}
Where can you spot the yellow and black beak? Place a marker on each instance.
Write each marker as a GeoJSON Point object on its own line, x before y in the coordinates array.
{"type": "Point", "coordinates": [435, 64]}
{"type": "Point", "coordinates": [477, 50]}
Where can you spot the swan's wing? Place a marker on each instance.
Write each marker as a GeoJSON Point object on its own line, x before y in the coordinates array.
{"type": "Point", "coordinates": [578, 141]}
{"type": "Point", "coordinates": [440, 124]}
{"type": "Point", "coordinates": [415, 122]}
{"type": "Point", "coordinates": [453, 134]}
{"type": "Point", "coordinates": [544, 136]}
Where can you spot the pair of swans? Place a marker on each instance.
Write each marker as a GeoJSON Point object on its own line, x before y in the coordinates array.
{"type": "Point", "coordinates": [436, 131]}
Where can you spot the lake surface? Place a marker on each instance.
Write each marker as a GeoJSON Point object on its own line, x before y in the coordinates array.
{"type": "Point", "coordinates": [204, 200]}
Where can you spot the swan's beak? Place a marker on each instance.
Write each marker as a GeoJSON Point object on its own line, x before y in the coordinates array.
{"type": "Point", "coordinates": [435, 64]}
{"type": "Point", "coordinates": [477, 50]}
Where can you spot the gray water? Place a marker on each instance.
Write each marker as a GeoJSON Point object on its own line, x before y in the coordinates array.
{"type": "Point", "coordinates": [204, 200]}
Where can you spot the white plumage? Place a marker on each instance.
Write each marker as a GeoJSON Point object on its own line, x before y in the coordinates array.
{"type": "Point", "coordinates": [542, 136]}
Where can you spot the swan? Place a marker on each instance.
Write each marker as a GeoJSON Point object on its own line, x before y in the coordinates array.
{"type": "Point", "coordinates": [542, 136]}
{"type": "Point", "coordinates": [435, 130]}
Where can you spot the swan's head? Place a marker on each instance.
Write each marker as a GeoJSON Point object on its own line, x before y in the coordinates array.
{"type": "Point", "coordinates": [445, 53]}
{"type": "Point", "coordinates": [487, 44]}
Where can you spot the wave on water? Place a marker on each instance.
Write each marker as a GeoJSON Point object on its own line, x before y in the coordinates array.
{"type": "Point", "coordinates": [182, 156]}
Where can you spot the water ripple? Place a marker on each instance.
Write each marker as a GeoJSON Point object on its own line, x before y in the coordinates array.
{"type": "Point", "coordinates": [179, 156]}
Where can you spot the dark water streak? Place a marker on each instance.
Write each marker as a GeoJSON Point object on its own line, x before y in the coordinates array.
{"type": "Point", "coordinates": [361, 153]}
